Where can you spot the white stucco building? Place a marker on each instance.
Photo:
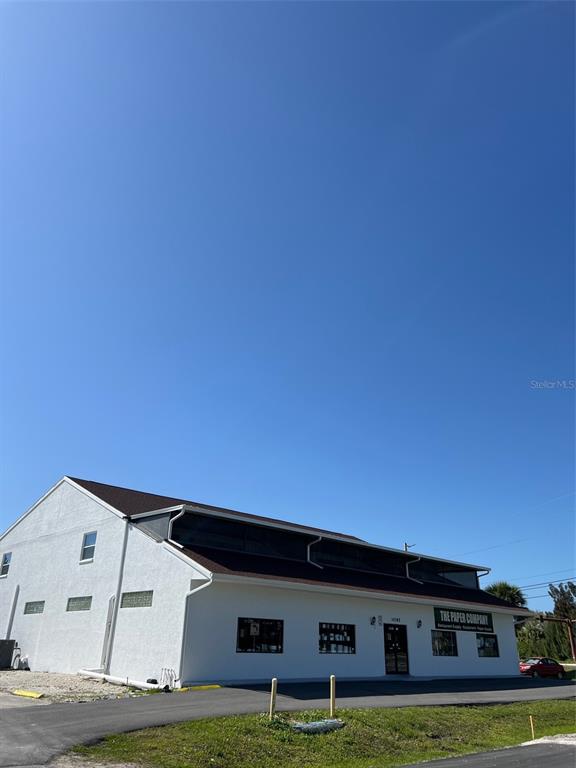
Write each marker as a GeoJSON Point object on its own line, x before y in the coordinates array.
{"type": "Point", "coordinates": [104, 578]}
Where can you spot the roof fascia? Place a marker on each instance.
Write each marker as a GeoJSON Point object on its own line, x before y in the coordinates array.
{"type": "Point", "coordinates": [95, 498]}
{"type": "Point", "coordinates": [33, 507]}
{"type": "Point", "coordinates": [371, 594]}
{"type": "Point", "coordinates": [173, 548]}
{"type": "Point", "coordinates": [333, 536]}
{"type": "Point", "coordinates": [153, 512]}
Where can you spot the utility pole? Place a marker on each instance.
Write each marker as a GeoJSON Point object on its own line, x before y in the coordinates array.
{"type": "Point", "coordinates": [568, 623]}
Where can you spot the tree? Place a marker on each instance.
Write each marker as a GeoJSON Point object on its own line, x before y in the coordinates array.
{"type": "Point", "coordinates": [509, 592]}
{"type": "Point", "coordinates": [548, 635]}
{"type": "Point", "coordinates": [532, 639]}
{"type": "Point", "coordinates": [564, 596]}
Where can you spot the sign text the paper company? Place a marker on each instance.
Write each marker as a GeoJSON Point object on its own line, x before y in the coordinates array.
{"type": "Point", "coordinates": [456, 618]}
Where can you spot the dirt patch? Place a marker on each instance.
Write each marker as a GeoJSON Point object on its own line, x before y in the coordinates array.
{"type": "Point", "coordinates": [57, 687]}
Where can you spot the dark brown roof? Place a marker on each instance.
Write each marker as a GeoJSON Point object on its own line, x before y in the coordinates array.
{"type": "Point", "coordinates": [131, 502]}
{"type": "Point", "coordinates": [257, 566]}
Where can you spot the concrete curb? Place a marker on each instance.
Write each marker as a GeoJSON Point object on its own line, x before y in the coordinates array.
{"type": "Point", "coordinates": [27, 694]}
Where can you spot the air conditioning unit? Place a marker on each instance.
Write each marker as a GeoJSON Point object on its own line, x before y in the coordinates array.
{"type": "Point", "coordinates": [7, 653]}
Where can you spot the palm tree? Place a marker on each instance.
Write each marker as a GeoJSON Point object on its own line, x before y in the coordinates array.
{"type": "Point", "coordinates": [509, 592]}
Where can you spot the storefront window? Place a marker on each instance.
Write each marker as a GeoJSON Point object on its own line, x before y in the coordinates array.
{"type": "Point", "coordinates": [444, 643]}
{"type": "Point", "coordinates": [487, 645]}
{"type": "Point", "coordinates": [260, 636]}
{"type": "Point", "coordinates": [337, 638]}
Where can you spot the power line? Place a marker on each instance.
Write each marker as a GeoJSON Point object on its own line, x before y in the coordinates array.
{"type": "Point", "coordinates": [521, 514]}
{"type": "Point", "coordinates": [546, 583]}
{"type": "Point", "coordinates": [535, 575]}
{"type": "Point", "coordinates": [496, 546]}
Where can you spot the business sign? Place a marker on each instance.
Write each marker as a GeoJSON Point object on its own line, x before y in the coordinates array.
{"type": "Point", "coordinates": [466, 621]}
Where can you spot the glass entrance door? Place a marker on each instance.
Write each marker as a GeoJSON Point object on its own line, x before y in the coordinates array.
{"type": "Point", "coordinates": [396, 649]}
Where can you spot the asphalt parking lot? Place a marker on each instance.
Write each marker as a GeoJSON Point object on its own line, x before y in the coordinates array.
{"type": "Point", "coordinates": [33, 735]}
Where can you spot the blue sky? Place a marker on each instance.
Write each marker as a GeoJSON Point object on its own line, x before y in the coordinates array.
{"type": "Point", "coordinates": [307, 260]}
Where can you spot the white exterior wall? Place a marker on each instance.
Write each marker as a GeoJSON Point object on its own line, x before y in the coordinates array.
{"type": "Point", "coordinates": [46, 547]}
{"type": "Point", "coordinates": [148, 639]}
{"type": "Point", "coordinates": [210, 652]}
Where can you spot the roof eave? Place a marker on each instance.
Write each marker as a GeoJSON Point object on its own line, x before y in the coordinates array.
{"type": "Point", "coordinates": [359, 592]}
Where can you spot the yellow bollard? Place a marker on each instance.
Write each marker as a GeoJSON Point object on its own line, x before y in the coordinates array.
{"type": "Point", "coordinates": [273, 698]}
{"type": "Point", "coordinates": [332, 695]}
{"type": "Point", "coordinates": [532, 726]}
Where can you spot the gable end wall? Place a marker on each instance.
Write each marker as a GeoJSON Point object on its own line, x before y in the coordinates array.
{"type": "Point", "coordinates": [46, 546]}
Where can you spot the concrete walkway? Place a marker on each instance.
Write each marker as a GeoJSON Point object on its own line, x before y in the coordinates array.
{"type": "Point", "coordinates": [32, 736]}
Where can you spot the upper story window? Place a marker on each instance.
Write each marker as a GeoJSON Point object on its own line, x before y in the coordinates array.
{"type": "Point", "coordinates": [195, 530]}
{"type": "Point", "coordinates": [344, 555]}
{"type": "Point", "coordinates": [88, 546]}
{"type": "Point", "coordinates": [5, 565]}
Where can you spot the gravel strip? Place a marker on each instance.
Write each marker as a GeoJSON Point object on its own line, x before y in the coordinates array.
{"type": "Point", "coordinates": [567, 739]}
{"type": "Point", "coordinates": [57, 687]}
{"type": "Point", "coordinates": [77, 761]}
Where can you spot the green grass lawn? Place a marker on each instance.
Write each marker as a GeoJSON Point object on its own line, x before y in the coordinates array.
{"type": "Point", "coordinates": [371, 738]}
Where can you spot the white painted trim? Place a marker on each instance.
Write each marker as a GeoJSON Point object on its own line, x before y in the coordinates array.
{"type": "Point", "coordinates": [308, 553]}
{"type": "Point", "coordinates": [156, 512]}
{"type": "Point", "coordinates": [316, 532]}
{"type": "Point", "coordinates": [174, 547]}
{"type": "Point", "coordinates": [117, 596]}
{"type": "Point", "coordinates": [396, 597]}
{"type": "Point", "coordinates": [172, 520]}
{"type": "Point", "coordinates": [168, 545]}
{"type": "Point", "coordinates": [412, 562]}
{"type": "Point", "coordinates": [185, 626]}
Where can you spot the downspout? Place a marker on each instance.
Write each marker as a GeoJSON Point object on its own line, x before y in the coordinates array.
{"type": "Point", "coordinates": [411, 562]}
{"type": "Point", "coordinates": [186, 612]}
{"type": "Point", "coordinates": [12, 612]}
{"type": "Point", "coordinates": [117, 598]}
{"type": "Point", "coordinates": [171, 523]}
{"type": "Point", "coordinates": [308, 553]}
{"type": "Point", "coordinates": [188, 596]}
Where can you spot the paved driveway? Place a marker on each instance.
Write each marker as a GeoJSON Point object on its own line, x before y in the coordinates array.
{"type": "Point", "coordinates": [534, 756]}
{"type": "Point", "coordinates": [31, 736]}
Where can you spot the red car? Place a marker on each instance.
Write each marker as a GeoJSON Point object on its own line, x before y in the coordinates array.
{"type": "Point", "coordinates": [541, 666]}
